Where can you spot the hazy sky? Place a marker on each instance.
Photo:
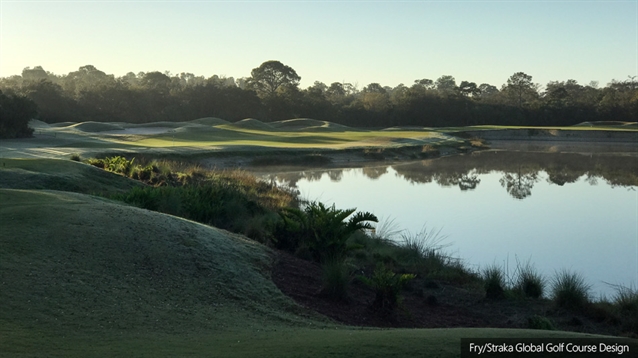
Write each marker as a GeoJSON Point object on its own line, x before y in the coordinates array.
{"type": "Point", "coordinates": [388, 42]}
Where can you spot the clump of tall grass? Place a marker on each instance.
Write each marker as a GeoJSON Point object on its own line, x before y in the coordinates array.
{"type": "Point", "coordinates": [626, 303]}
{"type": "Point", "coordinates": [530, 283]}
{"type": "Point", "coordinates": [569, 290]}
{"type": "Point", "coordinates": [494, 282]}
{"type": "Point", "coordinates": [423, 250]}
{"type": "Point", "coordinates": [424, 243]}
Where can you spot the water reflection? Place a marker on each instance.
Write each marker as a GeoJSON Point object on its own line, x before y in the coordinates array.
{"type": "Point", "coordinates": [519, 184]}
{"type": "Point", "coordinates": [520, 170]}
{"type": "Point", "coordinates": [558, 210]}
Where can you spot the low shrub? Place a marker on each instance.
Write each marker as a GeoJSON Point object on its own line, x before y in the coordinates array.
{"type": "Point", "coordinates": [387, 286]}
{"type": "Point", "coordinates": [570, 291]}
{"type": "Point", "coordinates": [336, 276]}
{"type": "Point", "coordinates": [540, 322]}
{"type": "Point", "coordinates": [322, 229]}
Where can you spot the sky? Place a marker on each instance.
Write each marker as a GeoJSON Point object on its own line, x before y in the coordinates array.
{"type": "Point", "coordinates": [358, 42]}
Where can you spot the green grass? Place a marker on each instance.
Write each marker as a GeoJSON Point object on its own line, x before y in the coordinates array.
{"type": "Point", "coordinates": [85, 276]}
{"type": "Point", "coordinates": [282, 342]}
{"type": "Point", "coordinates": [90, 139]}
{"type": "Point", "coordinates": [65, 175]}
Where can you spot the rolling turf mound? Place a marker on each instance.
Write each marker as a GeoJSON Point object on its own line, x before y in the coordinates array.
{"type": "Point", "coordinates": [36, 124]}
{"type": "Point", "coordinates": [61, 124]}
{"type": "Point", "coordinates": [64, 175]}
{"type": "Point", "coordinates": [95, 127]}
{"type": "Point", "coordinates": [307, 124]}
{"type": "Point", "coordinates": [210, 121]}
{"type": "Point", "coordinates": [72, 261]}
{"type": "Point", "coordinates": [251, 123]}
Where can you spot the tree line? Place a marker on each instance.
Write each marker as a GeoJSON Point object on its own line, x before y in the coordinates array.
{"type": "Point", "coordinates": [272, 92]}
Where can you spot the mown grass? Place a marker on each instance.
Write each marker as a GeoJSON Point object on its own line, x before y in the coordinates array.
{"type": "Point", "coordinates": [65, 175]}
{"type": "Point", "coordinates": [278, 342]}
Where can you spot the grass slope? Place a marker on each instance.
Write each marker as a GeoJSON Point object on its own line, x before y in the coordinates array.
{"type": "Point", "coordinates": [62, 175]}
{"type": "Point", "coordinates": [83, 276]}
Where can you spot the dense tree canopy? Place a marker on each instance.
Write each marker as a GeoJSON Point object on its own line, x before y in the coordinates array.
{"type": "Point", "coordinates": [271, 76]}
{"type": "Point", "coordinates": [272, 93]}
{"type": "Point", "coordinates": [15, 114]}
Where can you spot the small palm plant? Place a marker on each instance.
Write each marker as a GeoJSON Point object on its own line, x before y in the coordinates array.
{"type": "Point", "coordinates": [387, 286]}
{"type": "Point", "coordinates": [324, 229]}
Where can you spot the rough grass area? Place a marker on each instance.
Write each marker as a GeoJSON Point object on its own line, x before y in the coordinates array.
{"type": "Point", "coordinates": [64, 175]}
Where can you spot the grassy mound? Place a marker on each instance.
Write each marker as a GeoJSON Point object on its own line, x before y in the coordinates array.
{"type": "Point", "coordinates": [251, 123]}
{"type": "Point", "coordinates": [75, 262]}
{"type": "Point", "coordinates": [63, 175]}
{"type": "Point", "coordinates": [210, 121]}
{"type": "Point", "coordinates": [61, 124]}
{"type": "Point", "coordinates": [95, 127]}
{"type": "Point", "coordinates": [310, 125]}
{"type": "Point", "coordinates": [36, 124]}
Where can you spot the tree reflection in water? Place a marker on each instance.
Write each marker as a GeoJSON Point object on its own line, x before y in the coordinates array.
{"type": "Point", "coordinates": [519, 184]}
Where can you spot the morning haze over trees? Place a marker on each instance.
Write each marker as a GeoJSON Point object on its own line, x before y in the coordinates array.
{"type": "Point", "coordinates": [272, 93]}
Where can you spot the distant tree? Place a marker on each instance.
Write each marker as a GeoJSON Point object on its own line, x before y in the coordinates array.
{"type": "Point", "coordinates": [425, 83]}
{"type": "Point", "coordinates": [156, 81]}
{"type": "Point", "coordinates": [270, 76]}
{"type": "Point", "coordinates": [319, 87]}
{"type": "Point", "coordinates": [469, 89]}
{"type": "Point", "coordinates": [374, 88]}
{"type": "Point", "coordinates": [15, 114]}
{"type": "Point", "coordinates": [487, 90]}
{"type": "Point", "coordinates": [86, 78]}
{"type": "Point", "coordinates": [34, 74]}
{"type": "Point", "coordinates": [520, 87]}
{"type": "Point", "coordinates": [52, 103]}
{"type": "Point", "coordinates": [446, 85]}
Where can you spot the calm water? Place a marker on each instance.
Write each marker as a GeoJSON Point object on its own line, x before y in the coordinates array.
{"type": "Point", "coordinates": [556, 210]}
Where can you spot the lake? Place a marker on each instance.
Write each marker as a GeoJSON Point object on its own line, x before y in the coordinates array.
{"type": "Point", "coordinates": [556, 210]}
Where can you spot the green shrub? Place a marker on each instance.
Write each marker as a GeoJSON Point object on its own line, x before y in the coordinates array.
{"type": "Point", "coordinates": [540, 322]}
{"type": "Point", "coordinates": [570, 291]}
{"type": "Point", "coordinates": [494, 282]}
{"type": "Point", "coordinates": [336, 276]}
{"type": "Point", "coordinates": [387, 286]}
{"type": "Point", "coordinates": [323, 230]}
{"type": "Point", "coordinates": [75, 157]}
